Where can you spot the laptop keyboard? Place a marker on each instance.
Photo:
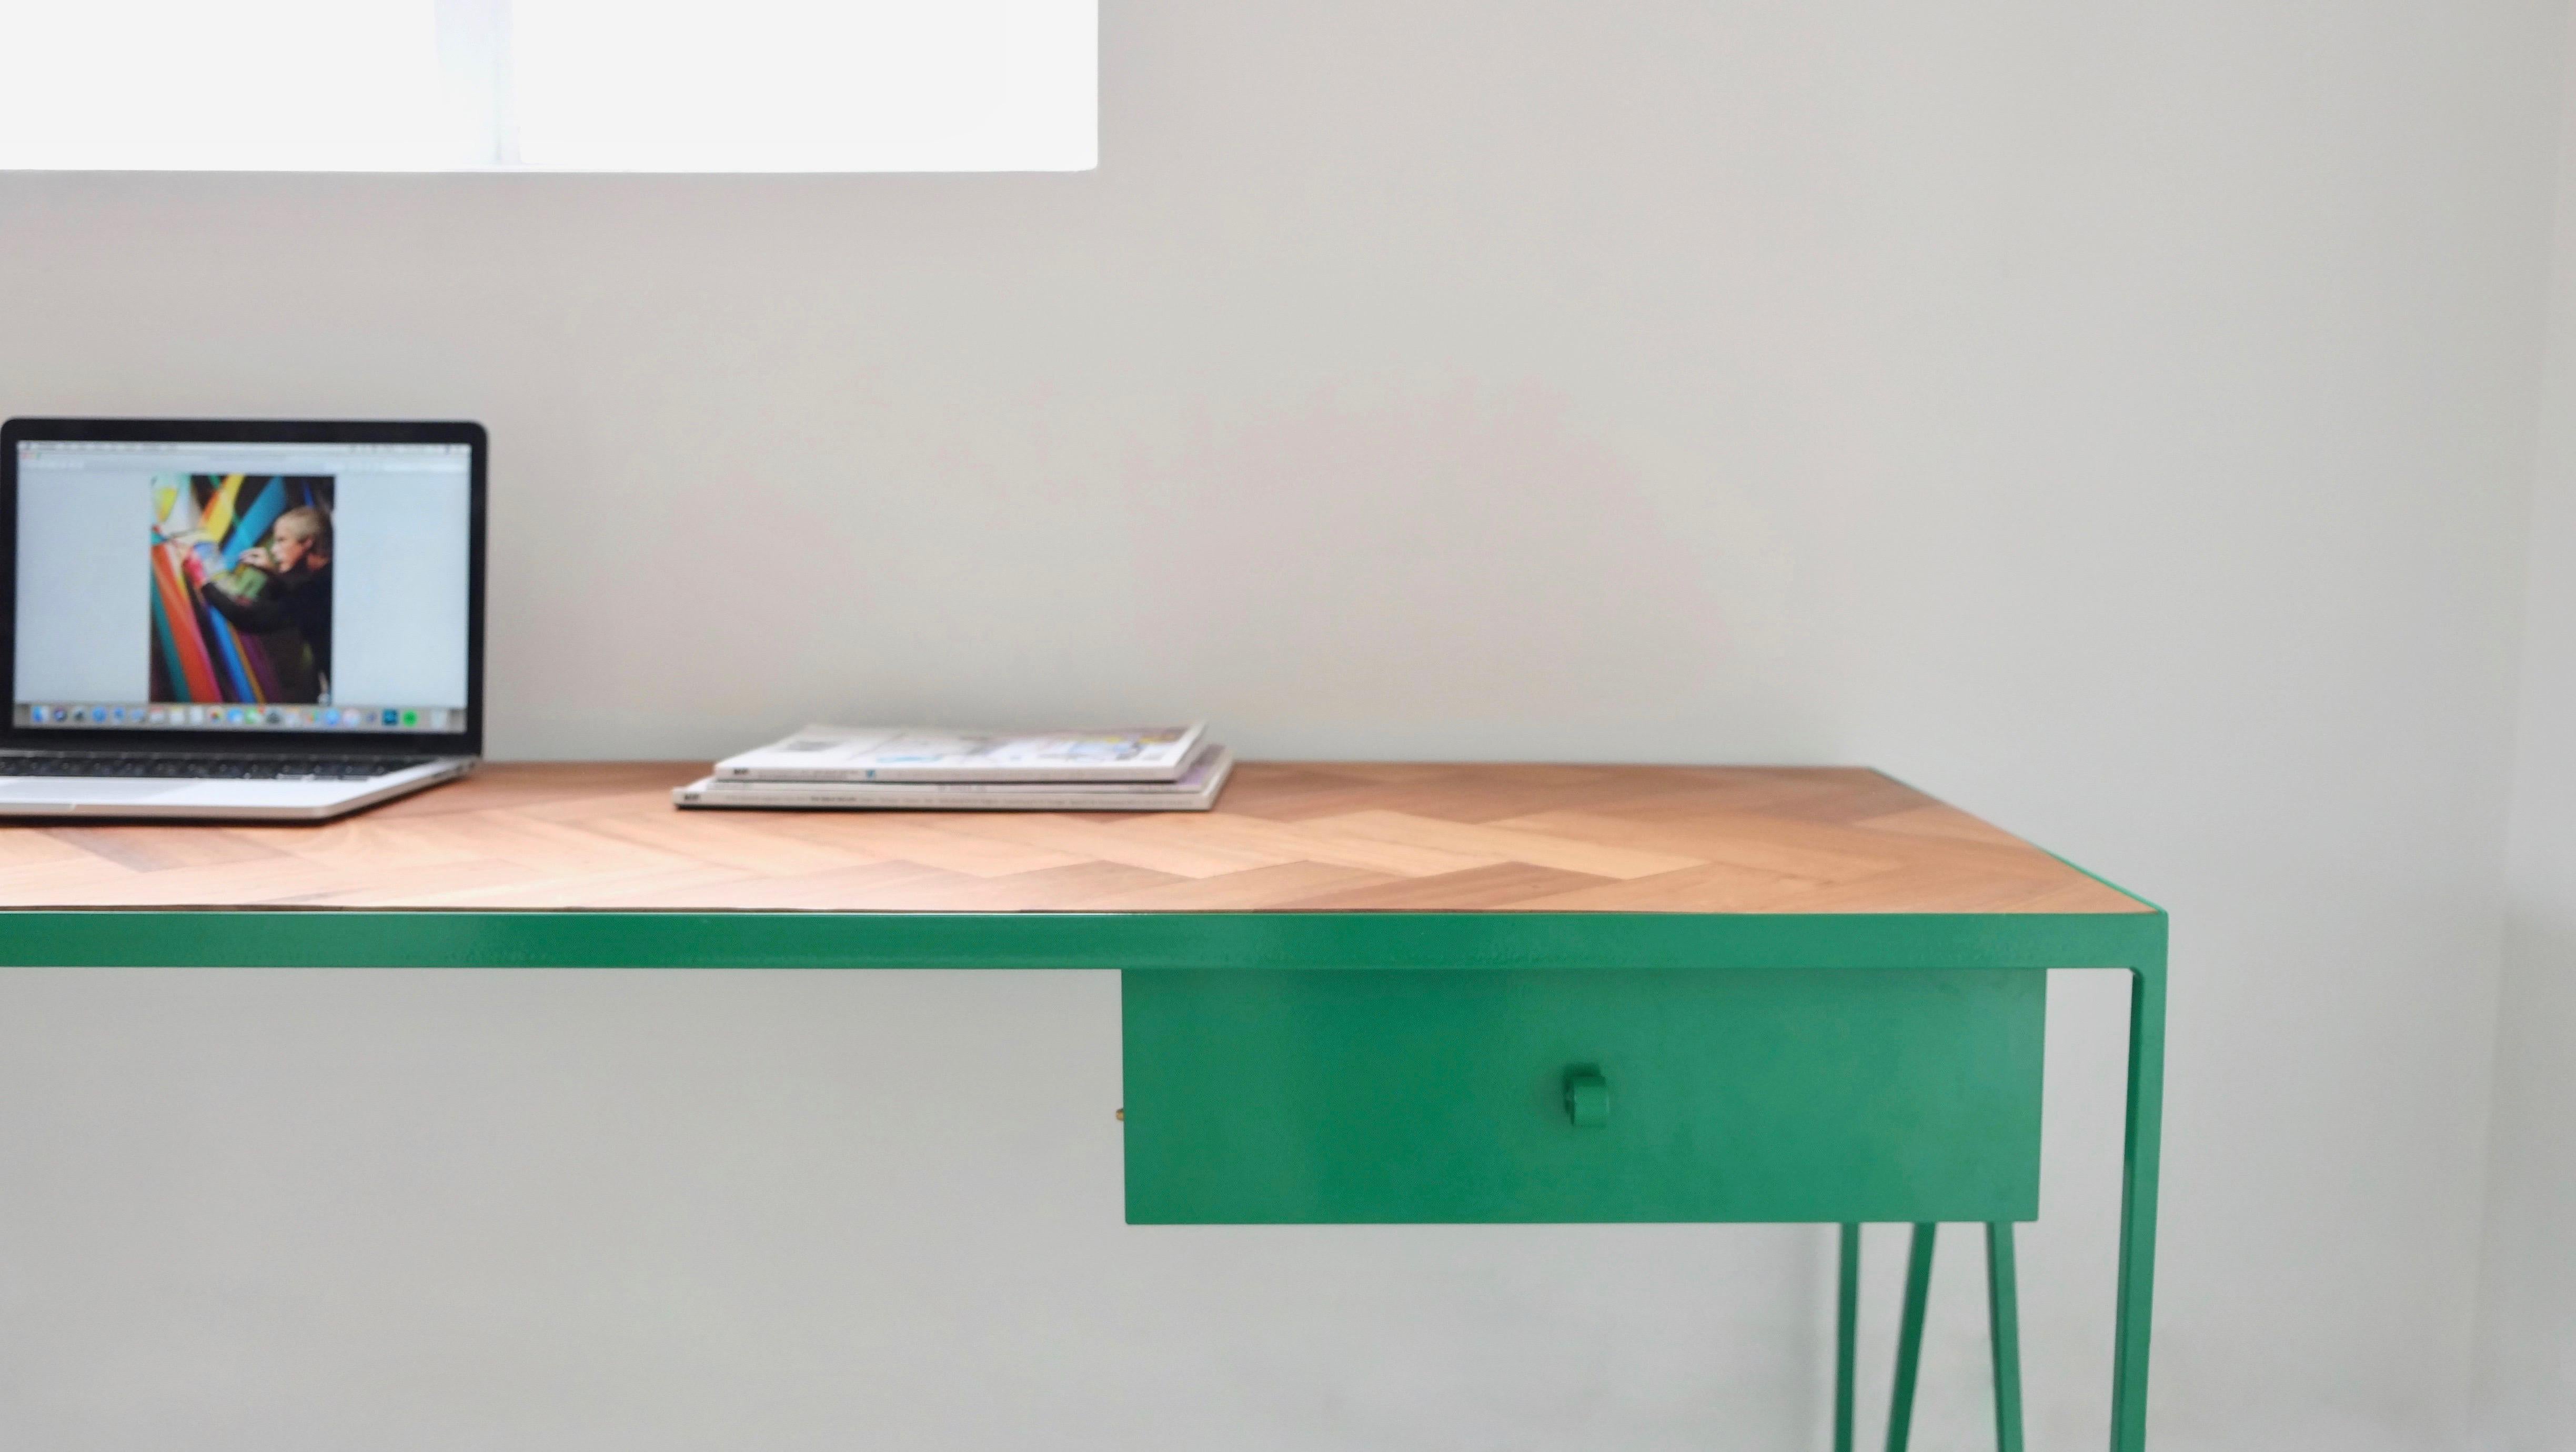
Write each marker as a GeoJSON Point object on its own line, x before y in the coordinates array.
{"type": "Point", "coordinates": [198, 766]}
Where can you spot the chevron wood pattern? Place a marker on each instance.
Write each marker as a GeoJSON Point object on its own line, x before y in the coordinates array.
{"type": "Point", "coordinates": [1287, 837]}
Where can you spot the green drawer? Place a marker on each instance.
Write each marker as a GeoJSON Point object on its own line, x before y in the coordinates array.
{"type": "Point", "coordinates": [1721, 1095]}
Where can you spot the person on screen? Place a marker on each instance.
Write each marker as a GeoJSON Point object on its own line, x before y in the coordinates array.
{"type": "Point", "coordinates": [279, 592]}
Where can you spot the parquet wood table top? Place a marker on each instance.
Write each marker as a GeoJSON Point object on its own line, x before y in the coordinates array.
{"type": "Point", "coordinates": [1286, 837]}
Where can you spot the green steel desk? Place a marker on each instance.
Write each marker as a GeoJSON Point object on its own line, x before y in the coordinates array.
{"type": "Point", "coordinates": [1353, 994]}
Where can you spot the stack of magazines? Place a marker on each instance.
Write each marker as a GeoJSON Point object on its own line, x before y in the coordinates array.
{"type": "Point", "coordinates": [919, 769]}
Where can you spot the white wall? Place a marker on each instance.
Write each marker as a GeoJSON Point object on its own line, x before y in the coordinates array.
{"type": "Point", "coordinates": [2114, 418]}
{"type": "Point", "coordinates": [2527, 1309]}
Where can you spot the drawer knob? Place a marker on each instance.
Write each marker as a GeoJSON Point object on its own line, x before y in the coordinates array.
{"type": "Point", "coordinates": [1587, 1097]}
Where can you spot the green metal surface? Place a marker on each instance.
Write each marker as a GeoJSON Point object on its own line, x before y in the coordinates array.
{"type": "Point", "coordinates": [1746, 1094]}
{"type": "Point", "coordinates": [223, 938]}
{"type": "Point", "coordinates": [1896, 945]}
{"type": "Point", "coordinates": [1846, 1334]}
{"type": "Point", "coordinates": [2003, 1326]}
{"type": "Point", "coordinates": [1909, 1337]}
{"type": "Point", "coordinates": [2135, 1319]}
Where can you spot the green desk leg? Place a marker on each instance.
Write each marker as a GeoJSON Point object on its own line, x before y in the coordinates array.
{"type": "Point", "coordinates": [1846, 1337]}
{"type": "Point", "coordinates": [2138, 1204]}
{"type": "Point", "coordinates": [2003, 1320]}
{"type": "Point", "coordinates": [2003, 1324]}
{"type": "Point", "coordinates": [1909, 1337]}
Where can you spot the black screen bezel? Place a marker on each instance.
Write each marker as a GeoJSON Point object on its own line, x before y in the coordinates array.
{"type": "Point", "coordinates": [468, 742]}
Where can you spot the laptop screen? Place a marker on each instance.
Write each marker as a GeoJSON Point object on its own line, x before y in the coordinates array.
{"type": "Point", "coordinates": [243, 587]}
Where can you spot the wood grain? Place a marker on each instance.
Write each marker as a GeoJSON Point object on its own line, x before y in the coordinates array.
{"type": "Point", "coordinates": [1300, 837]}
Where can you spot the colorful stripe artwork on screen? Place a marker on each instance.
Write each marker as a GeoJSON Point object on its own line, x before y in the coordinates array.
{"type": "Point", "coordinates": [202, 525]}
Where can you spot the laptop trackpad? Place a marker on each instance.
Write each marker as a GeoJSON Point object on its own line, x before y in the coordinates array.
{"type": "Point", "coordinates": [85, 789]}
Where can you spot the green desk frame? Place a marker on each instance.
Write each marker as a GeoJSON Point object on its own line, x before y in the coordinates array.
{"type": "Point", "coordinates": [1821, 948]}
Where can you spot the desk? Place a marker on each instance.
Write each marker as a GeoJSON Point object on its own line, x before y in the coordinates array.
{"type": "Point", "coordinates": [1354, 993]}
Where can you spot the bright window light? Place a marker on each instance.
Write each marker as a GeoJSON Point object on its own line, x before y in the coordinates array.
{"type": "Point", "coordinates": [571, 85]}
{"type": "Point", "coordinates": [259, 85]}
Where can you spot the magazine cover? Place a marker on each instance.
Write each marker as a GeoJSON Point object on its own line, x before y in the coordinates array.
{"type": "Point", "coordinates": [928, 754]}
{"type": "Point", "coordinates": [241, 589]}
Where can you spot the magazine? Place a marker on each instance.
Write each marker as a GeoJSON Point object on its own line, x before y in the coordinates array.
{"type": "Point", "coordinates": [1194, 792]}
{"type": "Point", "coordinates": [928, 754]}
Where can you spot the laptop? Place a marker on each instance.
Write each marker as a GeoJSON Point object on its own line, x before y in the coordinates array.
{"type": "Point", "coordinates": [237, 621]}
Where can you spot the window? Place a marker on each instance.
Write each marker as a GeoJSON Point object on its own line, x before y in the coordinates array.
{"type": "Point", "coordinates": [572, 85]}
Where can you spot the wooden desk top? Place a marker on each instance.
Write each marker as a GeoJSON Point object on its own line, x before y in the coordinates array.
{"type": "Point", "coordinates": [1285, 838]}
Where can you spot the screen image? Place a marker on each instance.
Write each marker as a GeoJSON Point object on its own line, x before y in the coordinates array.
{"type": "Point", "coordinates": [243, 586]}
{"type": "Point", "coordinates": [241, 589]}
